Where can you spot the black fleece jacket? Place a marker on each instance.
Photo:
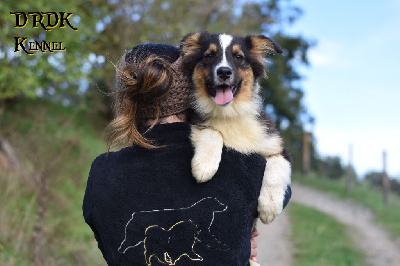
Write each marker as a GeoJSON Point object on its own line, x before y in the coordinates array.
{"type": "Point", "coordinates": [145, 208]}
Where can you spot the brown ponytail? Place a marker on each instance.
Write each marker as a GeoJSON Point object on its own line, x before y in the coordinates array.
{"type": "Point", "coordinates": [140, 82]}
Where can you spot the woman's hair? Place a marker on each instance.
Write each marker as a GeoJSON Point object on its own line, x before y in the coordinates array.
{"type": "Point", "coordinates": [144, 75]}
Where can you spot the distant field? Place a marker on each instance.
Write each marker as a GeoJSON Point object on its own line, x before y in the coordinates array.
{"type": "Point", "coordinates": [364, 194]}
{"type": "Point", "coordinates": [319, 239]}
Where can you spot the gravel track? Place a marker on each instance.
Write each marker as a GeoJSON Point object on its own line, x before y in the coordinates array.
{"type": "Point", "coordinates": [273, 244]}
{"type": "Point", "coordinates": [275, 248]}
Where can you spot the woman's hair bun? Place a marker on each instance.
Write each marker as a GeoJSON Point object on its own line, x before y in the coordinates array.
{"type": "Point", "coordinates": [154, 78]}
{"type": "Point", "coordinates": [143, 76]}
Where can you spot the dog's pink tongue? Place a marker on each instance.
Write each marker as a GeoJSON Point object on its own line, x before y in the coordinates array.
{"type": "Point", "coordinates": [223, 96]}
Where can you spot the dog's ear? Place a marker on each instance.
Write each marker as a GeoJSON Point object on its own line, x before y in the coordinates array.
{"type": "Point", "coordinates": [191, 43]}
{"type": "Point", "coordinates": [260, 45]}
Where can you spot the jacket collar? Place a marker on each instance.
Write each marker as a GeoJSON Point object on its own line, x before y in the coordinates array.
{"type": "Point", "coordinates": [170, 133]}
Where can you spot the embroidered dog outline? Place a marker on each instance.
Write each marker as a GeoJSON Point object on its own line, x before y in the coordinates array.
{"type": "Point", "coordinates": [166, 218]}
{"type": "Point", "coordinates": [181, 244]}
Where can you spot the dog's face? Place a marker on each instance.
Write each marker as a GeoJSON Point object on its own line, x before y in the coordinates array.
{"type": "Point", "coordinates": [224, 70]}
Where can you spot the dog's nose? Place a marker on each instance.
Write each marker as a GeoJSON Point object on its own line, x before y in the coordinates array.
{"type": "Point", "coordinates": [224, 72]}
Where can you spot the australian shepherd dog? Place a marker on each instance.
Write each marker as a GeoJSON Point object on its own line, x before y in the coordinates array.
{"type": "Point", "coordinates": [224, 70]}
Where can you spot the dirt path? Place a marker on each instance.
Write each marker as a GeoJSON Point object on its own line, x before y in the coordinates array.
{"type": "Point", "coordinates": [378, 246]}
{"type": "Point", "coordinates": [273, 244]}
{"type": "Point", "coordinates": [275, 248]}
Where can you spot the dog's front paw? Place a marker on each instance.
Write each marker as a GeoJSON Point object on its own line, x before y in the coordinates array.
{"type": "Point", "coordinates": [268, 212]}
{"type": "Point", "coordinates": [203, 169]}
{"type": "Point", "coordinates": [276, 180]}
{"type": "Point", "coordinates": [207, 145]}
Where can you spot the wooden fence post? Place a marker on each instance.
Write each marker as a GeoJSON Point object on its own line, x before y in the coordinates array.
{"type": "Point", "coordinates": [306, 153]}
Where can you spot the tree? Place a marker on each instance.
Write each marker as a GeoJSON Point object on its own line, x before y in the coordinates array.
{"type": "Point", "coordinates": [156, 21]}
{"type": "Point", "coordinates": [281, 91]}
{"type": "Point", "coordinates": [86, 69]}
{"type": "Point", "coordinates": [331, 167]}
{"type": "Point", "coordinates": [57, 74]}
{"type": "Point", "coordinates": [395, 186]}
{"type": "Point", "coordinates": [375, 179]}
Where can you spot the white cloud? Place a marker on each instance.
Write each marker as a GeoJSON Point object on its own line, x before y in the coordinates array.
{"type": "Point", "coordinates": [318, 58]}
{"type": "Point", "coordinates": [328, 53]}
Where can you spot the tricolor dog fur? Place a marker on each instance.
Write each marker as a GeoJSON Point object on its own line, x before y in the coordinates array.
{"type": "Point", "coordinates": [224, 70]}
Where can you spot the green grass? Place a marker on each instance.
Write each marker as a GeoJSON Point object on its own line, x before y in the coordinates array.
{"type": "Point", "coordinates": [319, 239]}
{"type": "Point", "coordinates": [39, 132]}
{"type": "Point", "coordinates": [363, 194]}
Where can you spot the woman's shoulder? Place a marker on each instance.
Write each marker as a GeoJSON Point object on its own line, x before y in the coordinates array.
{"type": "Point", "coordinates": [104, 158]}
{"type": "Point", "coordinates": [115, 155]}
{"type": "Point", "coordinates": [110, 160]}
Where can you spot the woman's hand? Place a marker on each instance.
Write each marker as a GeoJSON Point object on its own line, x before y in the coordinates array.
{"type": "Point", "coordinates": [254, 246]}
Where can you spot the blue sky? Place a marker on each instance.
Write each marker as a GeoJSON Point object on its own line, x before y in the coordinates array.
{"type": "Point", "coordinates": [352, 86]}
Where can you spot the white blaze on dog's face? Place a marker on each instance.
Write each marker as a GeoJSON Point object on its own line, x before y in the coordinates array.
{"type": "Point", "coordinates": [223, 73]}
{"type": "Point", "coordinates": [224, 70]}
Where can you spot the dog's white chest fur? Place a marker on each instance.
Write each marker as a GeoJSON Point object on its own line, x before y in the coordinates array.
{"type": "Point", "coordinates": [246, 135]}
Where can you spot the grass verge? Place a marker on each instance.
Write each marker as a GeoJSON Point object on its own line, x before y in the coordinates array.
{"type": "Point", "coordinates": [60, 143]}
{"type": "Point", "coordinates": [319, 239]}
{"type": "Point", "coordinates": [364, 194]}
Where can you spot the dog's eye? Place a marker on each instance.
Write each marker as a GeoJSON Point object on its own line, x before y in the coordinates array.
{"type": "Point", "coordinates": [210, 55]}
{"type": "Point", "coordinates": [239, 57]}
